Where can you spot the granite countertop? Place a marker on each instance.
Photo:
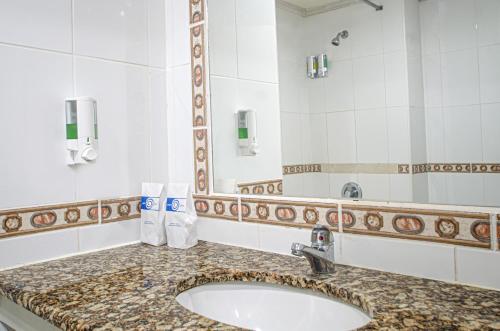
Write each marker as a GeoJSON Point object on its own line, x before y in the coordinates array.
{"type": "Point", "coordinates": [134, 288]}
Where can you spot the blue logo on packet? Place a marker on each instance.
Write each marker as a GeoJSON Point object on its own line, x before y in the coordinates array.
{"type": "Point", "coordinates": [176, 205]}
{"type": "Point", "coordinates": [150, 203]}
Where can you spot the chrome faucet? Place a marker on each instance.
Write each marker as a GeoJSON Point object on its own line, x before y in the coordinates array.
{"type": "Point", "coordinates": [320, 255]}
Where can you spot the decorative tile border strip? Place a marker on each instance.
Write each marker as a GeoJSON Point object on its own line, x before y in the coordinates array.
{"type": "Point", "coordinates": [289, 213]}
{"type": "Point", "coordinates": [498, 230]}
{"type": "Point", "coordinates": [115, 210]}
{"type": "Point", "coordinates": [392, 168]}
{"type": "Point", "coordinates": [16, 222]}
{"type": "Point", "coordinates": [265, 187]}
{"type": "Point", "coordinates": [199, 95]}
{"type": "Point", "coordinates": [464, 168]}
{"type": "Point", "coordinates": [216, 207]}
{"type": "Point", "coordinates": [23, 221]}
{"type": "Point", "coordinates": [459, 228]}
{"type": "Point", "coordinates": [486, 168]}
{"type": "Point", "coordinates": [301, 168]}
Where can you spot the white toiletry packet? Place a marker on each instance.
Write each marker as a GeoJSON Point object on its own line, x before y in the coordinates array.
{"type": "Point", "coordinates": [152, 216]}
{"type": "Point", "coordinates": [180, 217]}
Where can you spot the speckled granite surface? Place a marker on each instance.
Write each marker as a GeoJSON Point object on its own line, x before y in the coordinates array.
{"type": "Point", "coordinates": [134, 288]}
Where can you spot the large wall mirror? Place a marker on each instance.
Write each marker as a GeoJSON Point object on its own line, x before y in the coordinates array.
{"type": "Point", "coordinates": [385, 100]}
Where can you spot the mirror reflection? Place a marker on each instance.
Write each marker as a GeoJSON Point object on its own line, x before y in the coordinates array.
{"type": "Point", "coordinates": [388, 100]}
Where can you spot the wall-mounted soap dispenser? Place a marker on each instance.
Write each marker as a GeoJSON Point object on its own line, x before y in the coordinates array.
{"type": "Point", "coordinates": [81, 130]}
{"type": "Point", "coordinates": [247, 132]}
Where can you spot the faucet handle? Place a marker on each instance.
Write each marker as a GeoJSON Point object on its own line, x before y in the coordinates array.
{"type": "Point", "coordinates": [297, 249]}
{"type": "Point", "coordinates": [321, 237]}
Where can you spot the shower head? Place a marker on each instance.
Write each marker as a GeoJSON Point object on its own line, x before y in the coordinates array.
{"type": "Point", "coordinates": [336, 41]}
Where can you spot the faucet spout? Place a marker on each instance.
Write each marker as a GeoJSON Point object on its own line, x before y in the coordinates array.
{"type": "Point", "coordinates": [320, 262]}
{"type": "Point", "coordinates": [321, 255]}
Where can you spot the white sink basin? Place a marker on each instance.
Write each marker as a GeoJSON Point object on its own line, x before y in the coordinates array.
{"type": "Point", "coordinates": [262, 306]}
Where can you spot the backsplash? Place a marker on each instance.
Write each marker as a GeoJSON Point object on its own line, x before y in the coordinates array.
{"type": "Point", "coordinates": [454, 227]}
{"type": "Point", "coordinates": [23, 221]}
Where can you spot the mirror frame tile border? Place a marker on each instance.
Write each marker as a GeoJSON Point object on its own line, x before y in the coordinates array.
{"type": "Point", "coordinates": [455, 225]}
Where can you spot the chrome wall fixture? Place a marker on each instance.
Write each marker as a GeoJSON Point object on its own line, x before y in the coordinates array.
{"type": "Point", "coordinates": [374, 5]}
{"type": "Point", "coordinates": [343, 34]}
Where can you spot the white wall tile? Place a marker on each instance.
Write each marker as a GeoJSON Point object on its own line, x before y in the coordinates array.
{"type": "Point", "coordinates": [122, 96]}
{"type": "Point", "coordinates": [490, 117]}
{"type": "Point", "coordinates": [432, 80]}
{"type": "Point", "coordinates": [229, 233]}
{"type": "Point", "coordinates": [435, 133]}
{"type": "Point", "coordinates": [393, 25]}
{"type": "Point", "coordinates": [491, 191]}
{"type": "Point", "coordinates": [418, 138]}
{"type": "Point", "coordinates": [420, 188]}
{"type": "Point", "coordinates": [488, 20]}
{"type": "Point", "coordinates": [179, 52]}
{"type": "Point", "coordinates": [429, 24]}
{"type": "Point", "coordinates": [293, 185]}
{"type": "Point", "coordinates": [462, 134]}
{"type": "Point", "coordinates": [256, 40]}
{"type": "Point", "coordinates": [36, 23]}
{"type": "Point", "coordinates": [291, 136]}
{"type": "Point", "coordinates": [489, 71]}
{"type": "Point", "coordinates": [465, 190]}
{"type": "Point", "coordinates": [33, 87]}
{"type": "Point", "coordinates": [157, 33]}
{"type": "Point", "coordinates": [375, 186]}
{"type": "Point", "coordinates": [316, 185]}
{"type": "Point", "coordinates": [399, 256]}
{"type": "Point", "coordinates": [371, 136]}
{"type": "Point", "coordinates": [279, 239]}
{"type": "Point", "coordinates": [366, 31]}
{"type": "Point", "coordinates": [115, 29]}
{"type": "Point", "coordinates": [478, 267]}
{"type": "Point", "coordinates": [37, 247]}
{"type": "Point", "coordinates": [369, 87]}
{"type": "Point", "coordinates": [222, 39]}
{"type": "Point", "coordinates": [396, 79]}
{"type": "Point", "coordinates": [319, 138]}
{"type": "Point", "coordinates": [438, 188]}
{"type": "Point", "coordinates": [316, 95]}
{"type": "Point", "coordinates": [180, 123]}
{"type": "Point", "coordinates": [106, 235]}
{"type": "Point", "coordinates": [457, 24]}
{"type": "Point", "coordinates": [338, 87]}
{"type": "Point", "coordinates": [400, 188]}
{"type": "Point", "coordinates": [460, 78]}
{"type": "Point", "coordinates": [158, 126]}
{"type": "Point", "coordinates": [398, 135]}
{"type": "Point", "coordinates": [341, 137]}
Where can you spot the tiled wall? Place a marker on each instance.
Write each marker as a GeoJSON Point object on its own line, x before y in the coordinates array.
{"type": "Point", "coordinates": [415, 83]}
{"type": "Point", "coordinates": [461, 48]}
{"type": "Point", "coordinates": [361, 112]}
{"type": "Point", "coordinates": [244, 75]}
{"type": "Point", "coordinates": [114, 51]}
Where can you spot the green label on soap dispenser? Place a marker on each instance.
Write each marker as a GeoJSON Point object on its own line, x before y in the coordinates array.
{"type": "Point", "coordinates": [71, 131]}
{"type": "Point", "coordinates": [242, 133]}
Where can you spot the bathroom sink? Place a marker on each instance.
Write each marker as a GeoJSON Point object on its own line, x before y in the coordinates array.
{"type": "Point", "coordinates": [262, 306]}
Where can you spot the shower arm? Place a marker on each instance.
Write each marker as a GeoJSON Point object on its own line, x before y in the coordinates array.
{"type": "Point", "coordinates": [377, 7]}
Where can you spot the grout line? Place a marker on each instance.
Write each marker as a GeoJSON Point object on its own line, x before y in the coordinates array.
{"type": "Point", "coordinates": [240, 217]}
{"type": "Point", "coordinates": [493, 232]}
{"type": "Point", "coordinates": [99, 211]}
